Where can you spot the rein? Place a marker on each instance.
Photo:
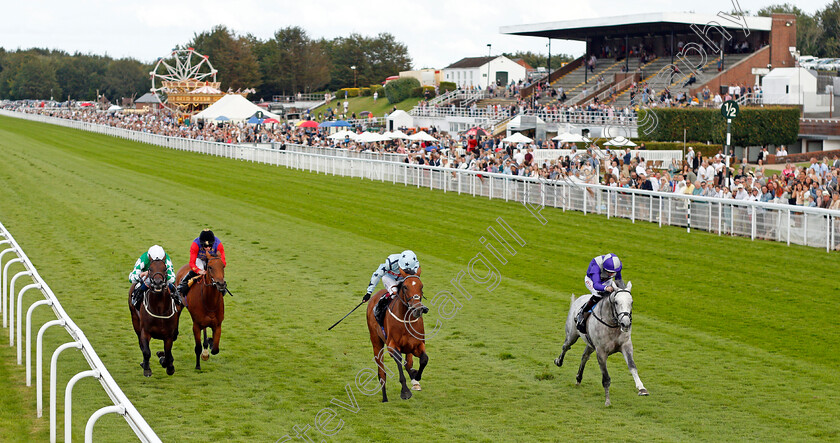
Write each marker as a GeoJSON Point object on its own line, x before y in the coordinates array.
{"type": "Point", "coordinates": [404, 302]}
{"type": "Point", "coordinates": [146, 306]}
{"type": "Point", "coordinates": [616, 314]}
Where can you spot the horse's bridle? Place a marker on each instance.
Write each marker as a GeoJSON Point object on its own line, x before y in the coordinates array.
{"type": "Point", "coordinates": [617, 315]}
{"type": "Point", "coordinates": [221, 287]}
{"type": "Point", "coordinates": [402, 289]}
{"type": "Point", "coordinates": [152, 278]}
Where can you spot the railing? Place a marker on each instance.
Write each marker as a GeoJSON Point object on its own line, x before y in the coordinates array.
{"type": "Point", "coordinates": [371, 121]}
{"type": "Point", "coordinates": [656, 159]}
{"type": "Point", "coordinates": [440, 99]}
{"type": "Point", "coordinates": [308, 97]}
{"type": "Point", "coordinates": [121, 405]}
{"type": "Point", "coordinates": [615, 88]}
{"type": "Point", "coordinates": [814, 227]}
{"type": "Point", "coordinates": [567, 115]}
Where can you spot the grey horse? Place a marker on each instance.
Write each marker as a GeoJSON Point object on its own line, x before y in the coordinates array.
{"type": "Point", "coordinates": [607, 332]}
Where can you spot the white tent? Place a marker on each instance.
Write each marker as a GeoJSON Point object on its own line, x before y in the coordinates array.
{"type": "Point", "coordinates": [567, 137]}
{"type": "Point", "coordinates": [398, 134]}
{"type": "Point", "coordinates": [114, 108]}
{"type": "Point", "coordinates": [234, 107]}
{"type": "Point", "coordinates": [400, 119]}
{"type": "Point", "coordinates": [368, 137]}
{"type": "Point", "coordinates": [517, 138]}
{"type": "Point", "coordinates": [521, 122]}
{"type": "Point", "coordinates": [341, 135]}
{"type": "Point", "coordinates": [422, 136]}
{"type": "Point", "coordinates": [620, 141]}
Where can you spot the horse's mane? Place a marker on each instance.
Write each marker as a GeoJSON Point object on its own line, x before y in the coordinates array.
{"type": "Point", "coordinates": [621, 284]}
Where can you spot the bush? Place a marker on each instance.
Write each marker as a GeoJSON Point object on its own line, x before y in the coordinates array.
{"type": "Point", "coordinates": [351, 92]}
{"type": "Point", "coordinates": [400, 89]}
{"type": "Point", "coordinates": [423, 92]}
{"type": "Point", "coordinates": [365, 92]}
{"type": "Point", "coordinates": [774, 125]}
{"type": "Point", "coordinates": [376, 88]}
{"type": "Point", "coordinates": [445, 87]}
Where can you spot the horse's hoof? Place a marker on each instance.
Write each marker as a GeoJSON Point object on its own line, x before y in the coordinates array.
{"type": "Point", "coordinates": [214, 351]}
{"type": "Point", "coordinates": [162, 361]}
{"type": "Point", "coordinates": [160, 354]}
{"type": "Point", "coordinates": [558, 362]}
{"type": "Point", "coordinates": [147, 372]}
{"type": "Point", "coordinates": [406, 394]}
{"type": "Point", "coordinates": [170, 370]}
{"type": "Point", "coordinates": [205, 355]}
{"type": "Point", "coordinates": [607, 403]}
{"type": "Point", "coordinates": [643, 392]}
{"type": "Point", "coordinates": [197, 367]}
{"type": "Point", "coordinates": [384, 400]}
{"type": "Point", "coordinates": [415, 385]}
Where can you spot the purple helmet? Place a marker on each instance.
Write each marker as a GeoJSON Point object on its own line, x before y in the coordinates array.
{"type": "Point", "coordinates": [612, 263]}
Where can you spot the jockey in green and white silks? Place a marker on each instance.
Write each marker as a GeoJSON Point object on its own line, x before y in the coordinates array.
{"type": "Point", "coordinates": [390, 272]}
{"type": "Point", "coordinates": [140, 274]}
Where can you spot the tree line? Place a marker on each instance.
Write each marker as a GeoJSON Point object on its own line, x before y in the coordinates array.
{"type": "Point", "coordinates": [288, 62]}
{"type": "Point", "coordinates": [817, 34]}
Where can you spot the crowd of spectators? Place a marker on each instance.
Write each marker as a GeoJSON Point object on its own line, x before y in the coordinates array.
{"type": "Point", "coordinates": [815, 185]}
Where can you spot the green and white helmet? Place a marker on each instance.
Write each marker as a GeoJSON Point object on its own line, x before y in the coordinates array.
{"type": "Point", "coordinates": [156, 253]}
{"type": "Point", "coordinates": [408, 262]}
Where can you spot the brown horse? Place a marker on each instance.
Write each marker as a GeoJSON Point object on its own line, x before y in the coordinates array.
{"type": "Point", "coordinates": [403, 333]}
{"type": "Point", "coordinates": [157, 318]}
{"type": "Point", "coordinates": [206, 303]}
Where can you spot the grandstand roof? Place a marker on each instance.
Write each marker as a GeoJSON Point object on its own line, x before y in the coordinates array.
{"type": "Point", "coordinates": [635, 24]}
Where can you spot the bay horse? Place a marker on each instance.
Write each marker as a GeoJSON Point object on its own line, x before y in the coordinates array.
{"type": "Point", "coordinates": [206, 303]}
{"type": "Point", "coordinates": [403, 333]}
{"type": "Point", "coordinates": [157, 318]}
{"type": "Point", "coordinates": [607, 332]}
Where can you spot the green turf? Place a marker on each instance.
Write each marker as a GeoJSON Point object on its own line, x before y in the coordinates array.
{"type": "Point", "coordinates": [358, 104]}
{"type": "Point", "coordinates": [734, 339]}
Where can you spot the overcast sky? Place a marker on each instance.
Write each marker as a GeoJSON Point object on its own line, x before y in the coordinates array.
{"type": "Point", "coordinates": [436, 33]}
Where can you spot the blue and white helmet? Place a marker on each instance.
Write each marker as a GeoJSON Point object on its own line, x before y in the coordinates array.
{"type": "Point", "coordinates": [156, 253]}
{"type": "Point", "coordinates": [408, 262]}
{"type": "Point", "coordinates": [612, 263]}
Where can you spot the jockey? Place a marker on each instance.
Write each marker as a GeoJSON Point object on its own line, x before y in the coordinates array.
{"type": "Point", "coordinates": [140, 275]}
{"type": "Point", "coordinates": [396, 266]}
{"type": "Point", "coordinates": [599, 280]}
{"type": "Point", "coordinates": [205, 244]}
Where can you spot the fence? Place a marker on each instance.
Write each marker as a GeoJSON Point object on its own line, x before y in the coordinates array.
{"type": "Point", "coordinates": [814, 227]}
{"type": "Point", "coordinates": [121, 405]}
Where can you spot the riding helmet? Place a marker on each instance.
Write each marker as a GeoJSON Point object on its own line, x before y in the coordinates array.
{"type": "Point", "coordinates": [408, 262]}
{"type": "Point", "coordinates": [156, 253]}
{"type": "Point", "coordinates": [207, 238]}
{"type": "Point", "coordinates": [612, 263]}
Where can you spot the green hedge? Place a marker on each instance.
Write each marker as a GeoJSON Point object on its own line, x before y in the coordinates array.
{"type": "Point", "coordinates": [400, 89]}
{"type": "Point", "coordinates": [445, 87]}
{"type": "Point", "coordinates": [421, 91]}
{"type": "Point", "coordinates": [365, 92]}
{"type": "Point", "coordinates": [376, 88]}
{"type": "Point", "coordinates": [776, 125]}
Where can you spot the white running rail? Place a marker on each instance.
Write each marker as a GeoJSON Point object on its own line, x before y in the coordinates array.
{"type": "Point", "coordinates": [77, 341]}
{"type": "Point", "coordinates": [814, 227]}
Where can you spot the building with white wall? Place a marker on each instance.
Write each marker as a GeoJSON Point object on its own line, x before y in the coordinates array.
{"type": "Point", "coordinates": [473, 71]}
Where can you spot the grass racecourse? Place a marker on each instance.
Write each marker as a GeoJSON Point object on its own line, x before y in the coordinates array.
{"type": "Point", "coordinates": [735, 339]}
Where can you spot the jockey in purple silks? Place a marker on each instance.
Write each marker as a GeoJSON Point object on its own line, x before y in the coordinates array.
{"type": "Point", "coordinates": [602, 271]}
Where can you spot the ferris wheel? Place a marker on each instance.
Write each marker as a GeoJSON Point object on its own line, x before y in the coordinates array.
{"type": "Point", "coordinates": [184, 70]}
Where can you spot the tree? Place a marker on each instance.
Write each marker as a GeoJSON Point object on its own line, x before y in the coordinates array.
{"type": "Point", "coordinates": [291, 62]}
{"type": "Point", "coordinates": [808, 30]}
{"type": "Point", "coordinates": [374, 58]}
{"type": "Point", "coordinates": [829, 21]}
{"type": "Point", "coordinates": [125, 78]}
{"type": "Point", "coordinates": [232, 56]}
{"type": "Point", "coordinates": [35, 79]}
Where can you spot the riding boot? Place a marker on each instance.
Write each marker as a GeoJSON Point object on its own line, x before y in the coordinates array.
{"type": "Point", "coordinates": [137, 297]}
{"type": "Point", "coordinates": [176, 295]}
{"type": "Point", "coordinates": [583, 315]}
{"type": "Point", "coordinates": [380, 308]}
{"type": "Point", "coordinates": [184, 286]}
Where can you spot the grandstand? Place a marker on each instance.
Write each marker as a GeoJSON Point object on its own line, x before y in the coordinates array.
{"type": "Point", "coordinates": [719, 50]}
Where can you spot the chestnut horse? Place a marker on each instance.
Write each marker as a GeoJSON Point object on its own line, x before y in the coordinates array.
{"type": "Point", "coordinates": [404, 333]}
{"type": "Point", "coordinates": [157, 318]}
{"type": "Point", "coordinates": [206, 303]}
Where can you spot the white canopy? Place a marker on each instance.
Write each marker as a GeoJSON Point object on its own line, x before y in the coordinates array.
{"type": "Point", "coordinates": [115, 108]}
{"type": "Point", "coordinates": [234, 107]}
{"type": "Point", "coordinates": [422, 136]}
{"type": "Point", "coordinates": [341, 135]}
{"type": "Point", "coordinates": [620, 141]}
{"type": "Point", "coordinates": [368, 137]}
{"type": "Point", "coordinates": [398, 134]}
{"type": "Point", "coordinates": [517, 138]}
{"type": "Point", "coordinates": [567, 137]}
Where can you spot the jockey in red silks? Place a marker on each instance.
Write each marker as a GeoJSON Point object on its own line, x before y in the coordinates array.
{"type": "Point", "coordinates": [600, 276]}
{"type": "Point", "coordinates": [205, 244]}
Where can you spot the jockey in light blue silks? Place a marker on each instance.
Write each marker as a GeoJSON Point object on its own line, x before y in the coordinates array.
{"type": "Point", "coordinates": [602, 270]}
{"type": "Point", "coordinates": [396, 266]}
